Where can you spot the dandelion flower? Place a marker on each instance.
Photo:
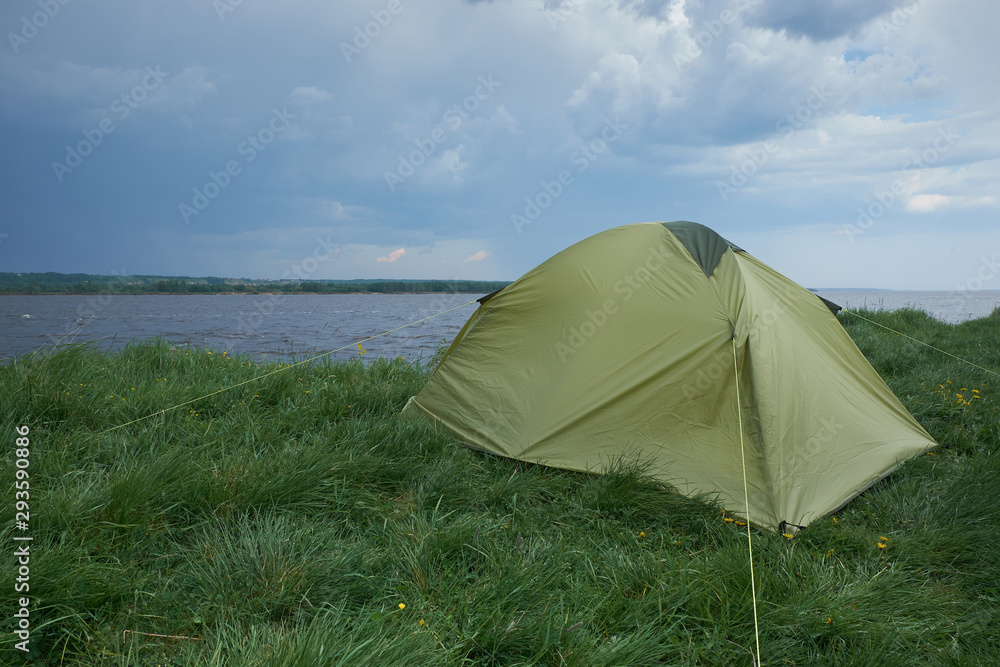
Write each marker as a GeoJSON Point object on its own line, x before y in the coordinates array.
{"type": "Point", "coordinates": [882, 545]}
{"type": "Point", "coordinates": [829, 620]}
{"type": "Point", "coordinates": [642, 533]}
{"type": "Point", "coordinates": [402, 606]}
{"type": "Point", "coordinates": [829, 553]}
{"type": "Point", "coordinates": [421, 623]}
{"type": "Point", "coordinates": [787, 535]}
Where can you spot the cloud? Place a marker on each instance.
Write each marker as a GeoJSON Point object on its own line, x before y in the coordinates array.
{"type": "Point", "coordinates": [933, 202]}
{"type": "Point", "coordinates": [393, 256]}
{"type": "Point", "coordinates": [808, 110]}
{"type": "Point", "coordinates": [817, 21]}
{"type": "Point", "coordinates": [477, 256]}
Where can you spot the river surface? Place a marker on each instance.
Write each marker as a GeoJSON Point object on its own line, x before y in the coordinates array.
{"type": "Point", "coordinates": [281, 327]}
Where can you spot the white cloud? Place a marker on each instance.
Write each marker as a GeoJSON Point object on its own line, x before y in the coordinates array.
{"type": "Point", "coordinates": [887, 95]}
{"type": "Point", "coordinates": [392, 256]}
{"type": "Point", "coordinates": [477, 256]}
{"type": "Point", "coordinates": [933, 202]}
{"type": "Point", "coordinates": [927, 203]}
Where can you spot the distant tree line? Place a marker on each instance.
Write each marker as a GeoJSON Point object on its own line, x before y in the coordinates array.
{"type": "Point", "coordinates": [83, 283]}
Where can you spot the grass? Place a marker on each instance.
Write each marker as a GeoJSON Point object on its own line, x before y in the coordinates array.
{"type": "Point", "coordinates": [298, 520]}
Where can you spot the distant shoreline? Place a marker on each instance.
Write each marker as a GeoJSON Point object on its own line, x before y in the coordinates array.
{"type": "Point", "coordinates": [277, 293]}
{"type": "Point", "coordinates": [82, 284]}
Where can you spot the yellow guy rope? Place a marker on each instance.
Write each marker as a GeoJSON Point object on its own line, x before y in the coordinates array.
{"type": "Point", "coordinates": [746, 499]}
{"type": "Point", "coordinates": [953, 356]}
{"type": "Point", "coordinates": [279, 370]}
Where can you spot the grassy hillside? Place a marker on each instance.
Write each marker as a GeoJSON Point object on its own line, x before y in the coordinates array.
{"type": "Point", "coordinates": [298, 520]}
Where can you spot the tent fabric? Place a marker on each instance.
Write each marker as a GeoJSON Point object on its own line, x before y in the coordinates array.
{"type": "Point", "coordinates": [704, 245]}
{"type": "Point", "coordinates": [622, 346]}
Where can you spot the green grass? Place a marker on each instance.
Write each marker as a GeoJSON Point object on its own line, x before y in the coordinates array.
{"type": "Point", "coordinates": [286, 521]}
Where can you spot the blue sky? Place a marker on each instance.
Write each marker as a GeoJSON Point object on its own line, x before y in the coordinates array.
{"type": "Point", "coordinates": [851, 143]}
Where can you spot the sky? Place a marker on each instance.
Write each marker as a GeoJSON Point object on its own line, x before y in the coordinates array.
{"type": "Point", "coordinates": [848, 144]}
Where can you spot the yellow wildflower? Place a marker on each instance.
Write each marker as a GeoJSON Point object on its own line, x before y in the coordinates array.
{"type": "Point", "coordinates": [421, 623]}
{"type": "Point", "coordinates": [642, 533]}
{"type": "Point", "coordinates": [402, 606]}
{"type": "Point", "coordinates": [787, 535]}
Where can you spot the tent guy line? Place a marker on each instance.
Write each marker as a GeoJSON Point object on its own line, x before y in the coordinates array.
{"type": "Point", "coordinates": [746, 495]}
{"type": "Point", "coordinates": [281, 369]}
{"type": "Point", "coordinates": [916, 340]}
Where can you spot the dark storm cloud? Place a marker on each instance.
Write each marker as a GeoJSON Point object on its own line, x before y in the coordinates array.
{"type": "Point", "coordinates": [818, 21]}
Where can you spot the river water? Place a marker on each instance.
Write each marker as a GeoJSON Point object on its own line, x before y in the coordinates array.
{"type": "Point", "coordinates": [280, 327]}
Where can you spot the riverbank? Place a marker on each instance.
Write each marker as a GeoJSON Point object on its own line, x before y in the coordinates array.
{"type": "Point", "coordinates": [83, 284]}
{"type": "Point", "coordinates": [288, 515]}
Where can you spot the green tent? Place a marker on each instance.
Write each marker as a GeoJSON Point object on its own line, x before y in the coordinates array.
{"type": "Point", "coordinates": [629, 344]}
